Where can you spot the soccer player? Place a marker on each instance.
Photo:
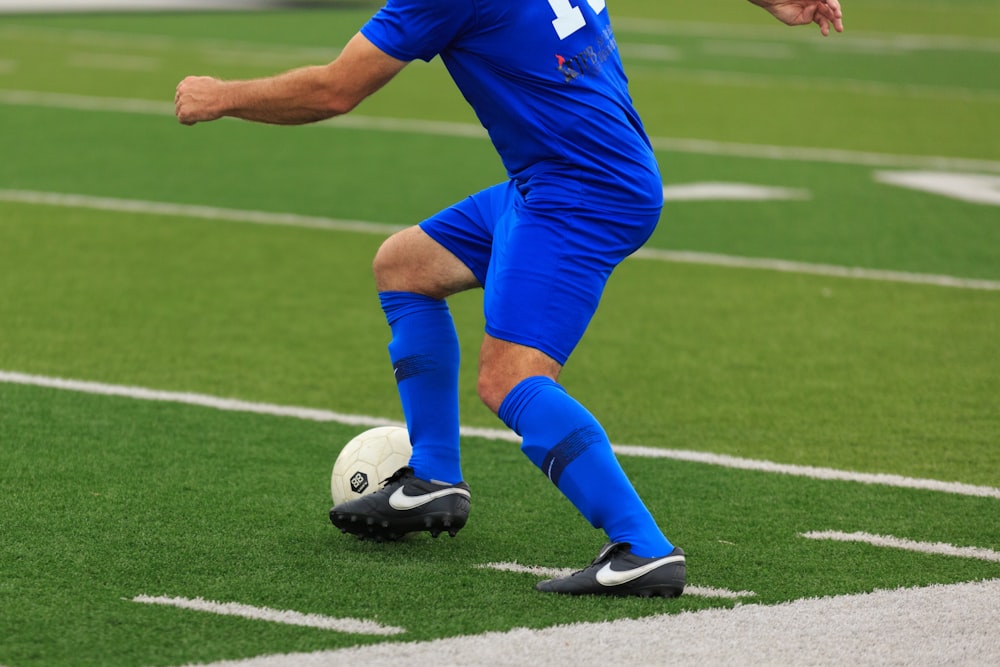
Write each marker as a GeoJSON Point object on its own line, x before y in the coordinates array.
{"type": "Point", "coordinates": [584, 191]}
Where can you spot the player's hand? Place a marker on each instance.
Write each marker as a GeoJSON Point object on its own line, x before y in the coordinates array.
{"type": "Point", "coordinates": [824, 13]}
{"type": "Point", "coordinates": [197, 98]}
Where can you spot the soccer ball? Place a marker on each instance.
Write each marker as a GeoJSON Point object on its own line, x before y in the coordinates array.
{"type": "Point", "coordinates": [367, 460]}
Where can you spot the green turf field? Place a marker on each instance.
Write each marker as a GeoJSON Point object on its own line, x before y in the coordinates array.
{"type": "Point", "coordinates": [218, 261]}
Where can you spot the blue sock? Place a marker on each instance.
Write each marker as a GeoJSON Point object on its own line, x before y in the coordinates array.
{"type": "Point", "coordinates": [425, 358]}
{"type": "Point", "coordinates": [568, 444]}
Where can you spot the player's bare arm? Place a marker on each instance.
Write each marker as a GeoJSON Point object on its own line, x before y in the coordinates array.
{"type": "Point", "coordinates": [824, 13]}
{"type": "Point", "coordinates": [304, 95]}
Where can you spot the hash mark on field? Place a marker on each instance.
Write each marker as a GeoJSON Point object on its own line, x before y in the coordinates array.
{"type": "Point", "coordinates": [700, 591]}
{"type": "Point", "coordinates": [711, 191]}
{"type": "Point", "coordinates": [355, 626]}
{"type": "Point", "coordinates": [318, 415]}
{"type": "Point", "coordinates": [939, 548]}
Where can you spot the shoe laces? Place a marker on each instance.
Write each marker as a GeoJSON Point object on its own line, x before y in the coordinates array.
{"type": "Point", "coordinates": [405, 471]}
{"type": "Point", "coordinates": [609, 550]}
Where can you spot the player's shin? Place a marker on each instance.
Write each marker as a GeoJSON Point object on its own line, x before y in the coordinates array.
{"type": "Point", "coordinates": [425, 359]}
{"type": "Point", "coordinates": [571, 448]}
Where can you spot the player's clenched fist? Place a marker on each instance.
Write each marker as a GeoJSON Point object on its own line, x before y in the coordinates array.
{"type": "Point", "coordinates": [198, 99]}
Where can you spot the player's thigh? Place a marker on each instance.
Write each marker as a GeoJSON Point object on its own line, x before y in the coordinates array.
{"type": "Point", "coordinates": [449, 251]}
{"type": "Point", "coordinates": [548, 273]}
{"type": "Point", "coordinates": [466, 229]}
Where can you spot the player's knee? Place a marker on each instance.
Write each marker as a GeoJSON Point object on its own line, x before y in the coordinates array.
{"type": "Point", "coordinates": [503, 365]}
{"type": "Point", "coordinates": [491, 389]}
{"type": "Point", "coordinates": [385, 263]}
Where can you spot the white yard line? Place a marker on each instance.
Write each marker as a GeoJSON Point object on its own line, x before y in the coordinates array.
{"type": "Point", "coordinates": [938, 625]}
{"type": "Point", "coordinates": [880, 479]}
{"type": "Point", "coordinates": [384, 229]}
{"type": "Point", "coordinates": [841, 85]}
{"type": "Point", "coordinates": [195, 211]}
{"type": "Point", "coordinates": [350, 625]}
{"type": "Point", "coordinates": [471, 130]}
{"type": "Point", "coordinates": [937, 548]}
{"type": "Point", "coordinates": [313, 414]}
{"type": "Point", "coordinates": [830, 270]}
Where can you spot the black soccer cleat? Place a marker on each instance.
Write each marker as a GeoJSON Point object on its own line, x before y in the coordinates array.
{"type": "Point", "coordinates": [616, 571]}
{"type": "Point", "coordinates": [405, 504]}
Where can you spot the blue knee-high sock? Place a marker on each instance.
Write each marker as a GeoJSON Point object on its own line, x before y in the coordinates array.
{"type": "Point", "coordinates": [425, 358]}
{"type": "Point", "coordinates": [568, 444]}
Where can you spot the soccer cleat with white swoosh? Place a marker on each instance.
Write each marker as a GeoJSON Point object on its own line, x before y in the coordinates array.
{"type": "Point", "coordinates": [405, 504]}
{"type": "Point", "coordinates": [617, 571]}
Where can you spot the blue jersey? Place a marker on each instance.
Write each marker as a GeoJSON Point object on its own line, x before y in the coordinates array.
{"type": "Point", "coordinates": [546, 81]}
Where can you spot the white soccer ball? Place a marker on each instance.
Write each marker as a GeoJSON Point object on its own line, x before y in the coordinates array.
{"type": "Point", "coordinates": [367, 460]}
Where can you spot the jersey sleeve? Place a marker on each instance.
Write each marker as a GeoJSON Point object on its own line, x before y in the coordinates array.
{"type": "Point", "coordinates": [418, 29]}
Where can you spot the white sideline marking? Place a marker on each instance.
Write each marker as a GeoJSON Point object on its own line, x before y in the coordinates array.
{"type": "Point", "coordinates": [952, 624]}
{"type": "Point", "coordinates": [471, 130]}
{"type": "Point", "coordinates": [384, 229]}
{"type": "Point", "coordinates": [351, 625]}
{"type": "Point", "coordinates": [700, 591]}
{"type": "Point", "coordinates": [940, 548]}
{"type": "Point", "coordinates": [313, 414]}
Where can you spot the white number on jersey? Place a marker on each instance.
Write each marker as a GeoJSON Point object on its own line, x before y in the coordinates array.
{"type": "Point", "coordinates": [569, 19]}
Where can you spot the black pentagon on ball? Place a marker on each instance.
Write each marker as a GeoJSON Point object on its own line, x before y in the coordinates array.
{"type": "Point", "coordinates": [359, 482]}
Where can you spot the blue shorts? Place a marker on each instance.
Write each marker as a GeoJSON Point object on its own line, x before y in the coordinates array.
{"type": "Point", "coordinates": [543, 260]}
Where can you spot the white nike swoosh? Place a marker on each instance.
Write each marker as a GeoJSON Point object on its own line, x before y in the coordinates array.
{"type": "Point", "coordinates": [400, 501]}
{"type": "Point", "coordinates": [608, 577]}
